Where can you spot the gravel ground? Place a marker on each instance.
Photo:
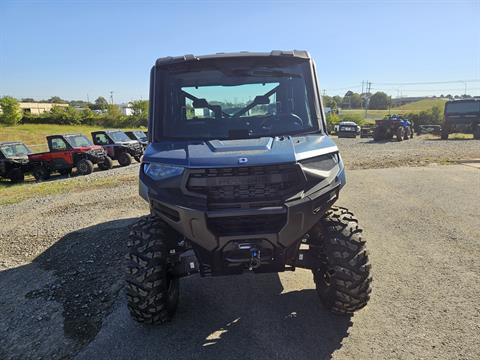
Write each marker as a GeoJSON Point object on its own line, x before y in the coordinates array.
{"type": "Point", "coordinates": [61, 273]}
{"type": "Point", "coordinates": [419, 151]}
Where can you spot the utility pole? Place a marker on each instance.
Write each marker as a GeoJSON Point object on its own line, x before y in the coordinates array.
{"type": "Point", "coordinates": [465, 88]}
{"type": "Point", "coordinates": [88, 99]}
{"type": "Point", "coordinates": [367, 96]}
{"type": "Point", "coordinates": [111, 97]}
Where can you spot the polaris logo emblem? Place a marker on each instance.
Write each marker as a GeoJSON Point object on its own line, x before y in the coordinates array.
{"type": "Point", "coordinates": [242, 160]}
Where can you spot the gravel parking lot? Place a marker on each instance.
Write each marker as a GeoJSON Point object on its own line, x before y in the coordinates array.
{"type": "Point", "coordinates": [421, 150]}
{"type": "Point", "coordinates": [61, 273]}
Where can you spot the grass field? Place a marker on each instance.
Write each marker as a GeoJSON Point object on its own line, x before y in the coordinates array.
{"type": "Point", "coordinates": [414, 107]}
{"type": "Point", "coordinates": [11, 194]}
{"type": "Point", "coordinates": [34, 135]}
{"type": "Point", "coordinates": [425, 104]}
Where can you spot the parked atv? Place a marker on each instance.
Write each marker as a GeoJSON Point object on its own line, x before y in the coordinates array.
{"type": "Point", "coordinates": [14, 160]}
{"type": "Point", "coordinates": [118, 146]}
{"type": "Point", "coordinates": [462, 116]}
{"type": "Point", "coordinates": [68, 152]}
{"type": "Point", "coordinates": [139, 136]}
{"type": "Point", "coordinates": [393, 125]}
{"type": "Point", "coordinates": [243, 188]}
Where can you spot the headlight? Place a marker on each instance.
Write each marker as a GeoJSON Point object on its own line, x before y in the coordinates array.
{"type": "Point", "coordinates": [321, 163]}
{"type": "Point", "coordinates": [162, 171]}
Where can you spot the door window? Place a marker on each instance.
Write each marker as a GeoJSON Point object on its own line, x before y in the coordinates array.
{"type": "Point", "coordinates": [58, 144]}
{"type": "Point", "coordinates": [101, 139]}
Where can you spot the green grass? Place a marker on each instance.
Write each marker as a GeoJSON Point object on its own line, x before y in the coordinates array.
{"type": "Point", "coordinates": [34, 134]}
{"type": "Point", "coordinates": [372, 115]}
{"type": "Point", "coordinates": [421, 105]}
{"type": "Point", "coordinates": [11, 194]}
{"type": "Point", "coordinates": [414, 107]}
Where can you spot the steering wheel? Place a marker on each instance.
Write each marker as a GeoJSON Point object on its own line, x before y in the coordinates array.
{"type": "Point", "coordinates": [297, 120]}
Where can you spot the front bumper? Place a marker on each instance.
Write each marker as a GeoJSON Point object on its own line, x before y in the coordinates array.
{"type": "Point", "coordinates": [135, 151]}
{"type": "Point", "coordinates": [347, 133]}
{"type": "Point", "coordinates": [287, 224]}
{"type": "Point", "coordinates": [96, 156]}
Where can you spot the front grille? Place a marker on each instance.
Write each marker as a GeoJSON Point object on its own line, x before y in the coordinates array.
{"type": "Point", "coordinates": [267, 185]}
{"type": "Point", "coordinates": [247, 225]}
{"type": "Point", "coordinates": [97, 154]}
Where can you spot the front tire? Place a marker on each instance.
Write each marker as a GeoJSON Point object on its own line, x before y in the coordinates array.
{"type": "Point", "coordinates": [152, 292]}
{"type": "Point", "coordinates": [476, 132]}
{"type": "Point", "coordinates": [343, 275]}
{"type": "Point", "coordinates": [124, 159]}
{"type": "Point", "coordinates": [400, 133]}
{"type": "Point", "coordinates": [445, 134]}
{"type": "Point", "coordinates": [84, 167]}
{"type": "Point", "coordinates": [41, 173]}
{"type": "Point", "coordinates": [107, 164]}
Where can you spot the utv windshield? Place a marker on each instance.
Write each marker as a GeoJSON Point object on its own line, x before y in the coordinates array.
{"type": "Point", "coordinates": [77, 141]}
{"type": "Point", "coordinates": [14, 150]}
{"type": "Point", "coordinates": [463, 107]}
{"type": "Point", "coordinates": [140, 135]}
{"type": "Point", "coordinates": [241, 101]}
{"type": "Point", "coordinates": [119, 136]}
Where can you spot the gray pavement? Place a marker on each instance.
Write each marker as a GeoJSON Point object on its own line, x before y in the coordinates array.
{"type": "Point", "coordinates": [423, 231]}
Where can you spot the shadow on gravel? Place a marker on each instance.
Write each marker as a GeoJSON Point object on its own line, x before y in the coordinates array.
{"type": "Point", "coordinates": [247, 317]}
{"type": "Point", "coordinates": [87, 265]}
{"type": "Point", "coordinates": [77, 280]}
{"type": "Point", "coordinates": [55, 305]}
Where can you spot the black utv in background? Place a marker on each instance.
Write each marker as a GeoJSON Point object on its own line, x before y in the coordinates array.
{"type": "Point", "coordinates": [462, 116]}
{"type": "Point", "coordinates": [14, 161]}
{"type": "Point", "coordinates": [241, 176]}
{"type": "Point", "coordinates": [139, 136]}
{"type": "Point", "coordinates": [118, 146]}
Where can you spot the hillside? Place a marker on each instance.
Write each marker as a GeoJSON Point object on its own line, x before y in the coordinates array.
{"type": "Point", "coordinates": [413, 107]}
{"type": "Point", "coordinates": [421, 105]}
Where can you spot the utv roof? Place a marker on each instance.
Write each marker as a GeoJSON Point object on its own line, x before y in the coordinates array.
{"type": "Point", "coordinates": [301, 54]}
{"type": "Point", "coordinates": [10, 143]}
{"type": "Point", "coordinates": [464, 100]}
{"type": "Point", "coordinates": [106, 131]}
{"type": "Point", "coordinates": [64, 135]}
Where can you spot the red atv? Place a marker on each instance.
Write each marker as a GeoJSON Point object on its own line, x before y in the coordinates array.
{"type": "Point", "coordinates": [67, 152]}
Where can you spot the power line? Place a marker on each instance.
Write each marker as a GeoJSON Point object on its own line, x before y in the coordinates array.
{"type": "Point", "coordinates": [430, 82]}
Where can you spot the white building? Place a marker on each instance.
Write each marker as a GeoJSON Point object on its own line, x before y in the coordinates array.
{"type": "Point", "coordinates": [126, 109]}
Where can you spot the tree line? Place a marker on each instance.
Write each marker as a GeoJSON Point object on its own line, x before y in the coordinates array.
{"type": "Point", "coordinates": [77, 112]}
{"type": "Point", "coordinates": [353, 100]}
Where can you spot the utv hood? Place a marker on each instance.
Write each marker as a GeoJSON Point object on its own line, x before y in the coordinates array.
{"type": "Point", "coordinates": [18, 159]}
{"type": "Point", "coordinates": [243, 152]}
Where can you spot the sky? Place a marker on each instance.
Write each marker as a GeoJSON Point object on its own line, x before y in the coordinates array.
{"type": "Point", "coordinates": [82, 49]}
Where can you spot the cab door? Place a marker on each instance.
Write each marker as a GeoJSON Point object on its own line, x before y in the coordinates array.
{"type": "Point", "coordinates": [103, 140]}
{"type": "Point", "coordinates": [61, 153]}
